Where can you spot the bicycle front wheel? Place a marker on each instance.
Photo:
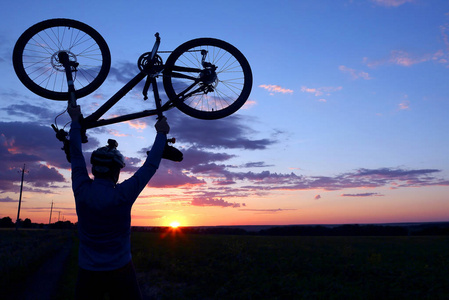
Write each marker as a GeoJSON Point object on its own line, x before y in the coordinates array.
{"type": "Point", "coordinates": [207, 78]}
{"type": "Point", "coordinates": [36, 62]}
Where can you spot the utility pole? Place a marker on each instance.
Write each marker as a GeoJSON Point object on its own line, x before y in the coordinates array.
{"type": "Point", "coordinates": [51, 210]}
{"type": "Point", "coordinates": [20, 197]}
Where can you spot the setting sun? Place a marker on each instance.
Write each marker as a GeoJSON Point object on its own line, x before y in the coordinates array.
{"type": "Point", "coordinates": [174, 224]}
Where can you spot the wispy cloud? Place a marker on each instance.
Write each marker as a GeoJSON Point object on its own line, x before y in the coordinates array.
{"type": "Point", "coordinates": [391, 3]}
{"type": "Point", "coordinates": [30, 112]}
{"type": "Point", "coordinates": [208, 176]}
{"type": "Point", "coordinates": [7, 200]}
{"type": "Point", "coordinates": [321, 91]}
{"type": "Point", "coordinates": [404, 105]}
{"type": "Point", "coordinates": [249, 103]}
{"type": "Point", "coordinates": [139, 125]}
{"type": "Point", "coordinates": [362, 178]}
{"type": "Point", "coordinates": [276, 89]}
{"type": "Point", "coordinates": [405, 59]}
{"type": "Point", "coordinates": [123, 72]}
{"type": "Point", "coordinates": [266, 211]}
{"type": "Point", "coordinates": [354, 73]}
{"type": "Point", "coordinates": [362, 195]}
{"type": "Point", "coordinates": [442, 56]}
{"type": "Point", "coordinates": [214, 202]}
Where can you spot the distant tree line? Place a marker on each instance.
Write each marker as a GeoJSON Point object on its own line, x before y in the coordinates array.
{"type": "Point", "coordinates": [343, 230]}
{"type": "Point", "coordinates": [293, 230]}
{"type": "Point", "coordinates": [7, 222]}
{"type": "Point", "coordinates": [315, 230]}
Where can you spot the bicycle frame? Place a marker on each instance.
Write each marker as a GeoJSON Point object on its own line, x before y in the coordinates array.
{"type": "Point", "coordinates": [151, 72]}
{"type": "Point", "coordinates": [93, 120]}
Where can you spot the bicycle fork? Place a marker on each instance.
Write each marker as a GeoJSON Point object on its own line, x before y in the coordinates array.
{"type": "Point", "coordinates": [68, 67]}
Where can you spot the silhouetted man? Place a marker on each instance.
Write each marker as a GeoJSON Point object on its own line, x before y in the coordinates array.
{"type": "Point", "coordinates": [104, 214]}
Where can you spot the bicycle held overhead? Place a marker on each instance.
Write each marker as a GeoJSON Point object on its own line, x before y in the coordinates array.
{"type": "Point", "coordinates": [64, 60]}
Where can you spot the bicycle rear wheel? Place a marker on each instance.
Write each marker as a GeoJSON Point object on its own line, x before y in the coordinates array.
{"type": "Point", "coordinates": [36, 63]}
{"type": "Point", "coordinates": [207, 78]}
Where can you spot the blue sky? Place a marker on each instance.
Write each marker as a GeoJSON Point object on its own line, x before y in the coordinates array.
{"type": "Point", "coordinates": [346, 123]}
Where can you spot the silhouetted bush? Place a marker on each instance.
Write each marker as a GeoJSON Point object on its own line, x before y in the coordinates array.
{"type": "Point", "coordinates": [6, 222]}
{"type": "Point", "coordinates": [62, 225]}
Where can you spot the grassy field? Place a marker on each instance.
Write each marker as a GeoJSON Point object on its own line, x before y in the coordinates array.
{"type": "Point", "coordinates": [22, 253]}
{"type": "Point", "coordinates": [256, 267]}
{"type": "Point", "coordinates": [179, 266]}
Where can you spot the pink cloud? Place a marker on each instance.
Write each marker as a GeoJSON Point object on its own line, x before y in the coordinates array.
{"type": "Point", "coordinates": [99, 96]}
{"type": "Point", "coordinates": [276, 89]}
{"type": "Point", "coordinates": [405, 59]}
{"type": "Point", "coordinates": [311, 90]}
{"type": "Point", "coordinates": [442, 56]}
{"type": "Point", "coordinates": [137, 124]}
{"type": "Point", "coordinates": [199, 201]}
{"type": "Point", "coordinates": [248, 104]}
{"type": "Point", "coordinates": [444, 29]}
{"type": "Point", "coordinates": [354, 73]}
{"type": "Point", "coordinates": [404, 105]}
{"type": "Point", "coordinates": [326, 90]}
{"type": "Point", "coordinates": [116, 133]}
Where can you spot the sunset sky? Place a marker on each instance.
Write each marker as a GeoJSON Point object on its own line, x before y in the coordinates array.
{"type": "Point", "coordinates": [347, 121]}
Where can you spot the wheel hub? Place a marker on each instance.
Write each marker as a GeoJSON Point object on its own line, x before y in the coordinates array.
{"type": "Point", "coordinates": [209, 79]}
{"type": "Point", "coordinates": [57, 65]}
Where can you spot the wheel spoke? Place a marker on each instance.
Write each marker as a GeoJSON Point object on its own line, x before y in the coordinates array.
{"type": "Point", "coordinates": [39, 67]}
{"type": "Point", "coordinates": [223, 93]}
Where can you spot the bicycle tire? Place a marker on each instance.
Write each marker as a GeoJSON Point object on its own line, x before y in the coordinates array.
{"type": "Point", "coordinates": [226, 95]}
{"type": "Point", "coordinates": [36, 65]}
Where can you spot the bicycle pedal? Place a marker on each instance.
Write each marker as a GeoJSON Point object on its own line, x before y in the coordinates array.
{"type": "Point", "coordinates": [171, 153]}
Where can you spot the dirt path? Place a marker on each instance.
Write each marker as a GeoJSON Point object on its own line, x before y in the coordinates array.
{"type": "Point", "coordinates": [43, 283]}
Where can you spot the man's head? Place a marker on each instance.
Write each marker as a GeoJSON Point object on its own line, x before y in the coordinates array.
{"type": "Point", "coordinates": [107, 161]}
